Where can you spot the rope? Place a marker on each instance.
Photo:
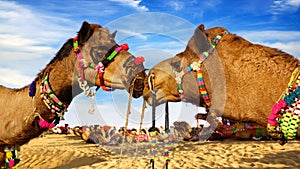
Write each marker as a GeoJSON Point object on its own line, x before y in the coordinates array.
{"type": "Point", "coordinates": [89, 93]}
{"type": "Point", "coordinates": [153, 133]}
{"type": "Point", "coordinates": [127, 116]}
{"type": "Point", "coordinates": [141, 123]}
{"type": "Point", "coordinates": [166, 139]}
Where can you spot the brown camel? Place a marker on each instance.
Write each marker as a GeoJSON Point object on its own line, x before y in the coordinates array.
{"type": "Point", "coordinates": [81, 60]}
{"type": "Point", "coordinates": [243, 80]}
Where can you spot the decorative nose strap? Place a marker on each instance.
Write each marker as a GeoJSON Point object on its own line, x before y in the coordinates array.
{"type": "Point", "coordinates": [107, 60]}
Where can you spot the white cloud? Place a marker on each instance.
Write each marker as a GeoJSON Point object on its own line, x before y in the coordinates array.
{"type": "Point", "coordinates": [283, 6]}
{"type": "Point", "coordinates": [291, 47]}
{"type": "Point", "coordinates": [287, 41]}
{"type": "Point", "coordinates": [270, 35]}
{"type": "Point", "coordinates": [129, 33]}
{"type": "Point", "coordinates": [133, 3]}
{"type": "Point", "coordinates": [27, 38]}
{"type": "Point", "coordinates": [13, 78]}
{"type": "Point", "coordinates": [176, 5]}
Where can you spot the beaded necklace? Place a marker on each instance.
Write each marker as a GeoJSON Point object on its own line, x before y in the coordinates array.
{"type": "Point", "coordinates": [52, 102]}
{"type": "Point", "coordinates": [195, 66]}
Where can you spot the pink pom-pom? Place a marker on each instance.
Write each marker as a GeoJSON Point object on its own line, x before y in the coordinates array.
{"type": "Point", "coordinates": [11, 163]}
{"type": "Point", "coordinates": [278, 106]}
{"type": "Point", "coordinates": [139, 60]}
{"type": "Point", "coordinates": [124, 46]}
{"type": "Point", "coordinates": [43, 123]}
{"type": "Point", "coordinates": [51, 125]}
{"type": "Point", "coordinates": [282, 103]}
{"type": "Point", "coordinates": [272, 119]}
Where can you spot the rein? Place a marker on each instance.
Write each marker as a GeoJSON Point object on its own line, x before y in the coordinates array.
{"type": "Point", "coordinates": [195, 66]}
{"type": "Point", "coordinates": [153, 131]}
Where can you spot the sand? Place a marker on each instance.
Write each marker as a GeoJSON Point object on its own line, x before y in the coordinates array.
{"type": "Point", "coordinates": [67, 151]}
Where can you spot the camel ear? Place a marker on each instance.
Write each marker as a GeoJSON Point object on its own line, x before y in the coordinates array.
{"type": "Point", "coordinates": [199, 43]}
{"type": "Point", "coordinates": [201, 27]}
{"type": "Point", "coordinates": [114, 34]}
{"type": "Point", "coordinates": [85, 32]}
{"type": "Point", "coordinates": [177, 63]}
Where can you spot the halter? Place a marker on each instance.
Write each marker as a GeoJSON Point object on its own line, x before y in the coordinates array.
{"type": "Point", "coordinates": [98, 67]}
{"type": "Point", "coordinates": [195, 66]}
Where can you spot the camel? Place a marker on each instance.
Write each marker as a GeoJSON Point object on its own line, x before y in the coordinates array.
{"type": "Point", "coordinates": [92, 58]}
{"type": "Point", "coordinates": [243, 80]}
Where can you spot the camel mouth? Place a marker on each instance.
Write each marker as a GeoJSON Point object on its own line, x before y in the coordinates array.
{"type": "Point", "coordinates": [138, 84]}
{"type": "Point", "coordinates": [160, 98]}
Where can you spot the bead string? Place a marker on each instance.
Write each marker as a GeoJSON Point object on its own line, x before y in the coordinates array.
{"type": "Point", "coordinates": [195, 66]}
{"type": "Point", "coordinates": [166, 148]}
{"type": "Point", "coordinates": [153, 151]}
{"type": "Point", "coordinates": [202, 88]}
{"type": "Point", "coordinates": [11, 157]}
{"type": "Point", "coordinates": [50, 99]}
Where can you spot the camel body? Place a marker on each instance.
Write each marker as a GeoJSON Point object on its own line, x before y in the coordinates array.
{"type": "Point", "coordinates": [21, 113]}
{"type": "Point", "coordinates": [243, 79]}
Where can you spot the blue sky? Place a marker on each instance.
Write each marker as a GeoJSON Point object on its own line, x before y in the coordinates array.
{"type": "Point", "coordinates": [31, 32]}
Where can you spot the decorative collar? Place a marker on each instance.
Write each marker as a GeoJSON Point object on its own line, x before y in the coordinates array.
{"type": "Point", "coordinates": [52, 102]}
{"type": "Point", "coordinates": [195, 66]}
{"type": "Point", "coordinates": [285, 116]}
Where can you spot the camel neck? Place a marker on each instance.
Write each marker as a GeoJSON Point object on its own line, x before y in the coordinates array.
{"type": "Point", "coordinates": [60, 75]}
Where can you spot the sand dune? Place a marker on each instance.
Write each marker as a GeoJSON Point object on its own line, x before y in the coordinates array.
{"type": "Point", "coordinates": [66, 152]}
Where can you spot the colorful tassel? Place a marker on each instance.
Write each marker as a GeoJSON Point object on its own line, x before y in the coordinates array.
{"type": "Point", "coordinates": [32, 89]}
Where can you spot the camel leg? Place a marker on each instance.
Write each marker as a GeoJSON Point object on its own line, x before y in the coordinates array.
{"type": "Point", "coordinates": [2, 155]}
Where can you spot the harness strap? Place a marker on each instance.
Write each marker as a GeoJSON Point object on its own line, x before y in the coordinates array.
{"type": "Point", "coordinates": [195, 66]}
{"type": "Point", "coordinates": [101, 80]}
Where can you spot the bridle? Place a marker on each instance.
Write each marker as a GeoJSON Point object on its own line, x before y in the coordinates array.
{"type": "Point", "coordinates": [99, 67]}
{"type": "Point", "coordinates": [195, 66]}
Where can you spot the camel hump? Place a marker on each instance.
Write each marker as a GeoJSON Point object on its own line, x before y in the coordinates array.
{"type": "Point", "coordinates": [213, 32]}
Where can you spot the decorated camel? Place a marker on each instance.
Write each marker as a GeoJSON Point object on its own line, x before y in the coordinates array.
{"type": "Point", "coordinates": [91, 58]}
{"type": "Point", "coordinates": [232, 78]}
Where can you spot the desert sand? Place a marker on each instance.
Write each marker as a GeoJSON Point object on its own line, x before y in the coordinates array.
{"type": "Point", "coordinates": [68, 151]}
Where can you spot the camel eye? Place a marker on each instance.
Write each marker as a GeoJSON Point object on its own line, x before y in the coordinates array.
{"type": "Point", "coordinates": [100, 54]}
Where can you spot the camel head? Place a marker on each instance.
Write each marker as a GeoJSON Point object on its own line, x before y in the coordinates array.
{"type": "Point", "coordinates": [161, 79]}
{"type": "Point", "coordinates": [101, 52]}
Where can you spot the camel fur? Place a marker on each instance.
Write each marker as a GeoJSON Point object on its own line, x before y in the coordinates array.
{"type": "Point", "coordinates": [243, 79]}
{"type": "Point", "coordinates": [18, 119]}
